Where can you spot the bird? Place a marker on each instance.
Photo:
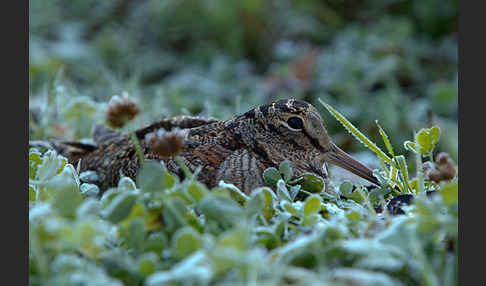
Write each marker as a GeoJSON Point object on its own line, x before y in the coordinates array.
{"type": "Point", "coordinates": [236, 151]}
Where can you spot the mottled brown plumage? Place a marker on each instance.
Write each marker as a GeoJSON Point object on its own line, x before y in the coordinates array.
{"type": "Point", "coordinates": [236, 150]}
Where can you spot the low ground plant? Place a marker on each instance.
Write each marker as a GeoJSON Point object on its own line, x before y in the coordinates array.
{"type": "Point", "coordinates": [159, 230]}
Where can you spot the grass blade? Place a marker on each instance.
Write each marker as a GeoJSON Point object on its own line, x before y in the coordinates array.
{"type": "Point", "coordinates": [357, 134]}
{"type": "Point", "coordinates": [402, 166]}
{"type": "Point", "coordinates": [420, 173]}
{"type": "Point", "coordinates": [385, 139]}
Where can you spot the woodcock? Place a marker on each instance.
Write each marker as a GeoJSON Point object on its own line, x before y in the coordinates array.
{"type": "Point", "coordinates": [236, 150]}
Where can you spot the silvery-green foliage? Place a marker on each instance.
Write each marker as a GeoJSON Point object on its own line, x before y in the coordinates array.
{"type": "Point", "coordinates": [154, 235]}
{"type": "Point", "coordinates": [220, 58]}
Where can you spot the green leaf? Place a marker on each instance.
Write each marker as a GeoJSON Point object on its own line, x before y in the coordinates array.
{"type": "Point", "coordinates": [174, 211]}
{"type": "Point", "coordinates": [32, 193]}
{"type": "Point", "coordinates": [219, 209]}
{"type": "Point", "coordinates": [89, 190]}
{"type": "Point", "coordinates": [34, 161]}
{"type": "Point", "coordinates": [356, 133]}
{"type": "Point", "coordinates": [346, 188]}
{"type": "Point", "coordinates": [282, 191]}
{"type": "Point", "coordinates": [312, 183]}
{"type": "Point", "coordinates": [108, 196]}
{"type": "Point", "coordinates": [126, 184]}
{"type": "Point", "coordinates": [89, 176]}
{"type": "Point", "coordinates": [312, 205]}
{"type": "Point", "coordinates": [410, 146]}
{"type": "Point", "coordinates": [435, 134]}
{"type": "Point", "coordinates": [378, 194]}
{"type": "Point", "coordinates": [286, 170]}
{"type": "Point", "coordinates": [449, 193]}
{"type": "Point", "coordinates": [294, 190]}
{"type": "Point", "coordinates": [185, 241]}
{"type": "Point", "coordinates": [184, 196]}
{"type": "Point", "coordinates": [152, 178]}
{"type": "Point", "coordinates": [234, 192]}
{"type": "Point", "coordinates": [281, 227]}
{"type": "Point", "coordinates": [238, 238]}
{"type": "Point", "coordinates": [268, 201]}
{"type": "Point", "coordinates": [197, 191]}
{"type": "Point", "coordinates": [255, 204]}
{"type": "Point", "coordinates": [156, 242]}
{"type": "Point", "coordinates": [353, 215]}
{"type": "Point", "coordinates": [89, 207]}
{"type": "Point", "coordinates": [64, 190]}
{"type": "Point", "coordinates": [310, 220]}
{"type": "Point", "coordinates": [146, 263]}
{"type": "Point", "coordinates": [271, 176]}
{"type": "Point", "coordinates": [52, 164]}
{"type": "Point", "coordinates": [170, 180]}
{"type": "Point", "coordinates": [268, 208]}
{"type": "Point", "coordinates": [358, 195]}
{"type": "Point", "coordinates": [385, 139]}
{"type": "Point", "coordinates": [135, 234]}
{"type": "Point", "coordinates": [120, 207]}
{"type": "Point", "coordinates": [427, 138]}
{"type": "Point", "coordinates": [290, 208]}
{"type": "Point", "coordinates": [403, 168]}
{"type": "Point", "coordinates": [67, 201]}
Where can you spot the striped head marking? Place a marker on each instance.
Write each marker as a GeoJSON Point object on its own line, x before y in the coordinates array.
{"type": "Point", "coordinates": [297, 121]}
{"type": "Point", "coordinates": [294, 130]}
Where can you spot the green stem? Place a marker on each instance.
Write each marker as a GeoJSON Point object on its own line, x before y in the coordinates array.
{"type": "Point", "coordinates": [138, 149]}
{"type": "Point", "coordinates": [367, 202]}
{"type": "Point", "coordinates": [187, 173]}
{"type": "Point", "coordinates": [420, 174]}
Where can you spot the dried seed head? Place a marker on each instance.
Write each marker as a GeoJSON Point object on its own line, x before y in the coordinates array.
{"type": "Point", "coordinates": [444, 159]}
{"type": "Point", "coordinates": [121, 110]}
{"type": "Point", "coordinates": [166, 144]}
{"type": "Point", "coordinates": [443, 169]}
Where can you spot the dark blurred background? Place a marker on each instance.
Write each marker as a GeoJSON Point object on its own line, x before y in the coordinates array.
{"type": "Point", "coordinates": [394, 61]}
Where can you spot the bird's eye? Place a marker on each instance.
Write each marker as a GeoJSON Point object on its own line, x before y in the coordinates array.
{"type": "Point", "coordinates": [295, 123]}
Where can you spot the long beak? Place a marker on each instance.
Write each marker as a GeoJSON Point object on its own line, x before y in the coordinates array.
{"type": "Point", "coordinates": [340, 158]}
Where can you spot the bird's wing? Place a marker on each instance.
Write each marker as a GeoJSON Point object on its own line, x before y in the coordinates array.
{"type": "Point", "coordinates": [181, 122]}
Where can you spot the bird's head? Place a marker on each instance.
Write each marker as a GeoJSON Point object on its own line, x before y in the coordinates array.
{"type": "Point", "coordinates": [294, 130]}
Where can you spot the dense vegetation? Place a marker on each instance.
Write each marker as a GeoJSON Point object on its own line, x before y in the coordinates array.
{"type": "Point", "coordinates": [390, 61]}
